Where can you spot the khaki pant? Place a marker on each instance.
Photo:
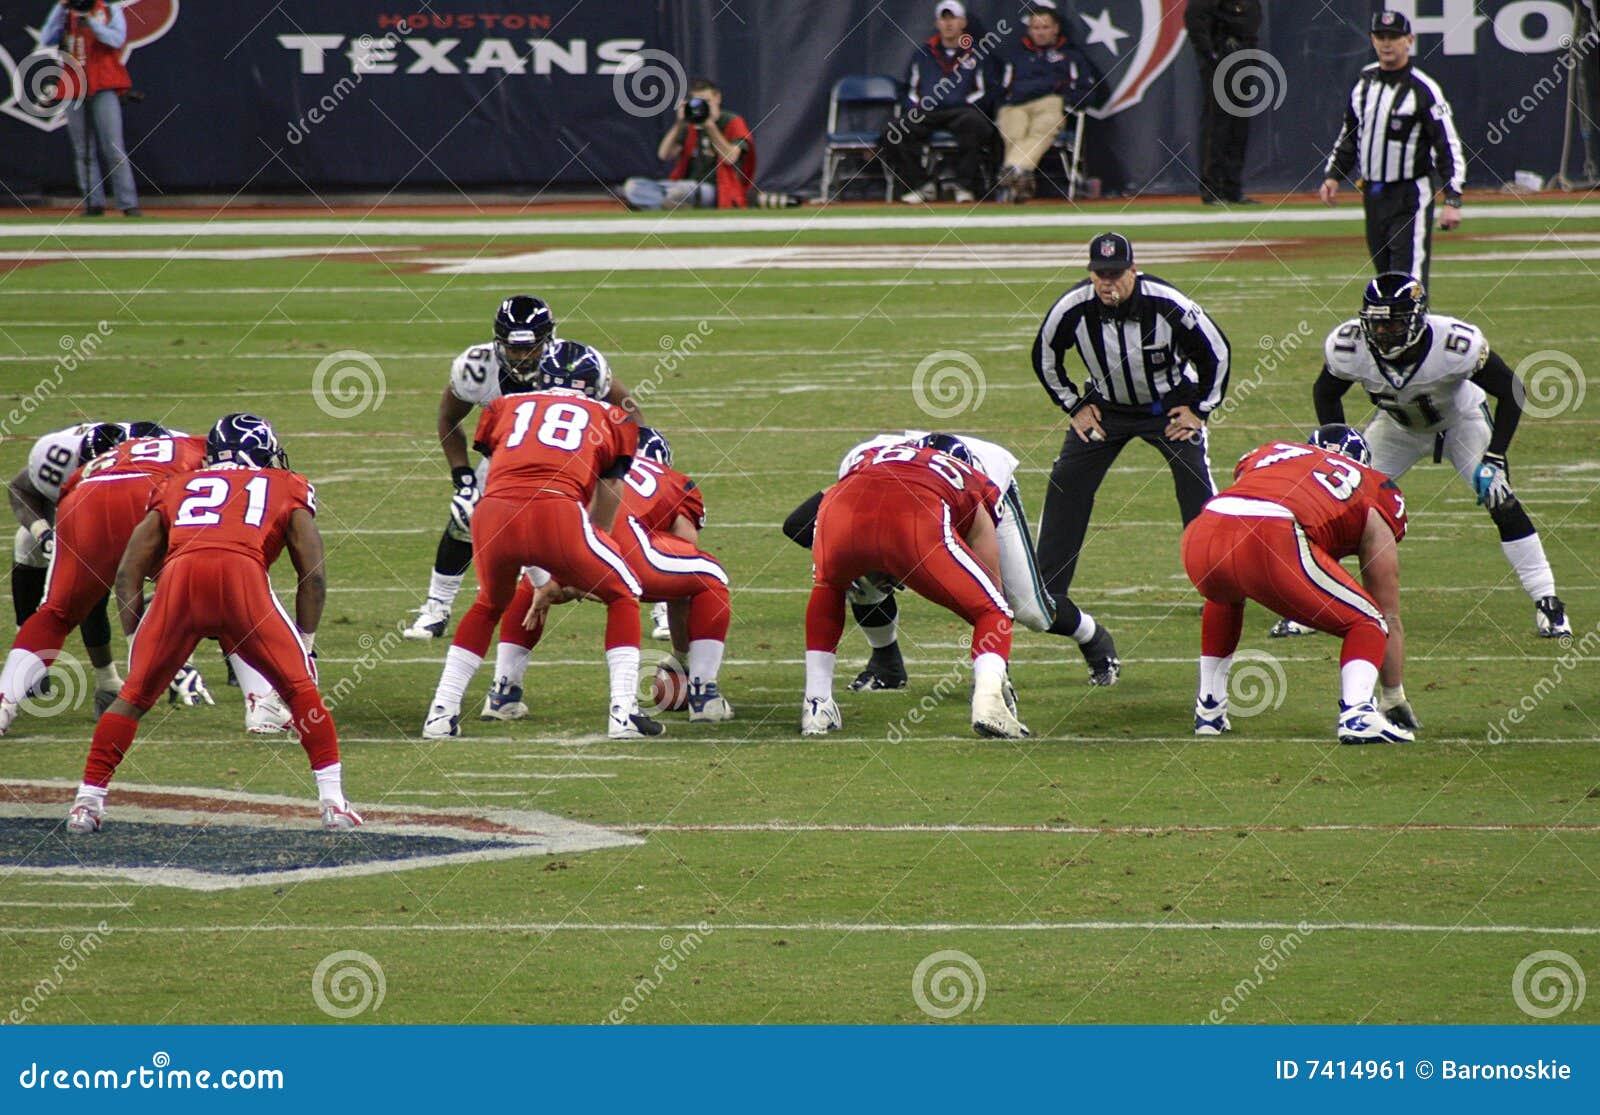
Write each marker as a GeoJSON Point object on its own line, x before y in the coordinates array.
{"type": "Point", "coordinates": [1030, 128]}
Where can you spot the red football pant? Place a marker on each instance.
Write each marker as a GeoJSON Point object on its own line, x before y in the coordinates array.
{"type": "Point", "coordinates": [215, 595]}
{"type": "Point", "coordinates": [1234, 558]}
{"type": "Point", "coordinates": [553, 533]}
{"type": "Point", "coordinates": [93, 525]}
{"type": "Point", "coordinates": [884, 529]}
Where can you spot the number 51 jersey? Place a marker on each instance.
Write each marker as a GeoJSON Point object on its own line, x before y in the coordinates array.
{"type": "Point", "coordinates": [1329, 495]}
{"type": "Point", "coordinates": [1433, 394]}
{"type": "Point", "coordinates": [231, 508]}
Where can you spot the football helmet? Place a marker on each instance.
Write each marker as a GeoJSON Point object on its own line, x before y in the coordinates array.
{"type": "Point", "coordinates": [145, 429]}
{"type": "Point", "coordinates": [951, 446]}
{"type": "Point", "coordinates": [1394, 312]}
{"type": "Point", "coordinates": [576, 367]}
{"type": "Point", "coordinates": [653, 446]}
{"type": "Point", "coordinates": [244, 439]}
{"type": "Point", "coordinates": [101, 438]}
{"type": "Point", "coordinates": [523, 327]}
{"type": "Point", "coordinates": [1344, 440]}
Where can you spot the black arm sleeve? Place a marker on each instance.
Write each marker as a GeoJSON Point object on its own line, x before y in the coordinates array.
{"type": "Point", "coordinates": [618, 469]}
{"type": "Point", "coordinates": [1327, 394]}
{"type": "Point", "coordinates": [801, 525]}
{"type": "Point", "coordinates": [1497, 379]}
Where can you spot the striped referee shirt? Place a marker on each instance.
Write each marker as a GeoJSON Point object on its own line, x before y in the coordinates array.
{"type": "Point", "coordinates": [1398, 127]}
{"type": "Point", "coordinates": [1156, 351]}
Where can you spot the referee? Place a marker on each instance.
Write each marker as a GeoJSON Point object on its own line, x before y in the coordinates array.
{"type": "Point", "coordinates": [1157, 367]}
{"type": "Point", "coordinates": [1397, 132]}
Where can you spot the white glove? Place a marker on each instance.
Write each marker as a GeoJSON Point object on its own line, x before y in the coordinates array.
{"type": "Point", "coordinates": [465, 499]}
{"type": "Point", "coordinates": [189, 688]}
{"type": "Point", "coordinates": [45, 536]}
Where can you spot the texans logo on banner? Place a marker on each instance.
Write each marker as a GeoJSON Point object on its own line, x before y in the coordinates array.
{"type": "Point", "coordinates": [1132, 42]}
{"type": "Point", "coordinates": [31, 72]}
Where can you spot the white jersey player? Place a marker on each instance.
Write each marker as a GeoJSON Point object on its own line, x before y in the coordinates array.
{"type": "Point", "coordinates": [872, 601]}
{"type": "Point", "coordinates": [524, 335]}
{"type": "Point", "coordinates": [1429, 376]}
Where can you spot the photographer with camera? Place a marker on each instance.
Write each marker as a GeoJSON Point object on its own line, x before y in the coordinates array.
{"type": "Point", "coordinates": [91, 34]}
{"type": "Point", "coordinates": [713, 156]}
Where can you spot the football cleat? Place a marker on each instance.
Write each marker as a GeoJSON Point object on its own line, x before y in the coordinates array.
{"type": "Point", "coordinates": [1550, 617]}
{"type": "Point", "coordinates": [662, 630]}
{"type": "Point", "coordinates": [1211, 717]}
{"type": "Point", "coordinates": [819, 716]}
{"type": "Point", "coordinates": [443, 722]}
{"type": "Point", "coordinates": [188, 688]}
{"type": "Point", "coordinates": [1100, 653]}
{"type": "Point", "coordinates": [707, 705]}
{"type": "Point", "coordinates": [991, 717]}
{"type": "Point", "coordinates": [1288, 628]}
{"type": "Point", "coordinates": [504, 702]}
{"type": "Point", "coordinates": [340, 816]}
{"type": "Point", "coordinates": [629, 723]}
{"type": "Point", "coordinates": [87, 816]}
{"type": "Point", "coordinates": [433, 619]}
{"type": "Point", "coordinates": [265, 714]}
{"type": "Point", "coordinates": [885, 669]}
{"type": "Point", "coordinates": [1363, 723]}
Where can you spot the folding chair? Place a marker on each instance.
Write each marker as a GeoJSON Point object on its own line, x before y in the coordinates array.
{"type": "Point", "coordinates": [1070, 151]}
{"type": "Point", "coordinates": [867, 101]}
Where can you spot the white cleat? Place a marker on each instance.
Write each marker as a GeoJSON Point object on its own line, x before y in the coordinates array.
{"type": "Point", "coordinates": [340, 816]}
{"type": "Point", "coordinates": [662, 631]}
{"type": "Point", "coordinates": [1211, 717]}
{"type": "Point", "coordinates": [433, 619]}
{"type": "Point", "coordinates": [992, 717]}
{"type": "Point", "coordinates": [707, 705]}
{"type": "Point", "coordinates": [1550, 618]}
{"type": "Point", "coordinates": [265, 714]}
{"type": "Point", "coordinates": [504, 702]}
{"type": "Point", "coordinates": [8, 714]}
{"type": "Point", "coordinates": [443, 722]}
{"type": "Point", "coordinates": [87, 816]}
{"type": "Point", "coordinates": [629, 723]}
{"type": "Point", "coordinates": [1363, 723]}
{"type": "Point", "coordinates": [819, 716]}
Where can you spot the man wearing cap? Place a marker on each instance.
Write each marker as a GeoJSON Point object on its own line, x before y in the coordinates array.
{"type": "Point", "coordinates": [947, 91]}
{"type": "Point", "coordinates": [1217, 29]}
{"type": "Point", "coordinates": [1398, 134]}
{"type": "Point", "coordinates": [1157, 367]}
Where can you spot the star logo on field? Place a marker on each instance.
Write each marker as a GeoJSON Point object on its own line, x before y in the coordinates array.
{"type": "Point", "coordinates": [1103, 31]}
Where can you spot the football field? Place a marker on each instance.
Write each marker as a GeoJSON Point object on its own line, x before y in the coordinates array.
{"type": "Point", "coordinates": [1112, 868]}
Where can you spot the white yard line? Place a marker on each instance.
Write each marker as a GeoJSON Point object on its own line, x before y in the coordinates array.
{"type": "Point", "coordinates": [72, 905]}
{"type": "Point", "coordinates": [1088, 830]}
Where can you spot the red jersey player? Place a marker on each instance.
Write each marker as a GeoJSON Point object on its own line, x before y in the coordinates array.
{"type": "Point", "coordinates": [926, 520]}
{"type": "Point", "coordinates": [220, 528]}
{"type": "Point", "coordinates": [658, 533]}
{"type": "Point", "coordinates": [1276, 536]}
{"type": "Point", "coordinates": [557, 456]}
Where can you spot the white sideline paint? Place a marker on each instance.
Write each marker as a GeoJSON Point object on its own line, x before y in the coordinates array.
{"type": "Point", "coordinates": [522, 774]}
{"type": "Point", "coordinates": [1092, 830]}
{"type": "Point", "coordinates": [73, 905]}
{"type": "Point", "coordinates": [57, 255]}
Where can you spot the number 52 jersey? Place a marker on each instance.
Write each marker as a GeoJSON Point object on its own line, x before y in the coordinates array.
{"type": "Point", "coordinates": [1433, 394]}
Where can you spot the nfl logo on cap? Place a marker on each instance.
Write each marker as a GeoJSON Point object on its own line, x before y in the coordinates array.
{"type": "Point", "coordinates": [1110, 251]}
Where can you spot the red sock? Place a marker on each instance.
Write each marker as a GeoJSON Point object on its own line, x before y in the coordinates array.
{"type": "Point", "coordinates": [43, 633]}
{"type": "Point", "coordinates": [315, 725]}
{"type": "Point", "coordinates": [992, 635]}
{"type": "Point", "coordinates": [1365, 640]}
{"type": "Point", "coordinates": [476, 629]}
{"type": "Point", "coordinates": [511, 629]}
{"type": "Point", "coordinates": [113, 735]}
{"type": "Point", "coordinates": [825, 618]}
{"type": "Point", "coordinates": [1221, 626]}
{"type": "Point", "coordinates": [622, 622]}
{"type": "Point", "coordinates": [709, 614]}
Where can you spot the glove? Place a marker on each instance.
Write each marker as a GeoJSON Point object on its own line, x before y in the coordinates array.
{"type": "Point", "coordinates": [189, 688]}
{"type": "Point", "coordinates": [1492, 481]}
{"type": "Point", "coordinates": [1393, 704]}
{"type": "Point", "coordinates": [465, 499]}
{"type": "Point", "coordinates": [45, 537]}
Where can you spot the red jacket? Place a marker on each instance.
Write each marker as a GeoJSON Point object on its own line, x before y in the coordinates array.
{"type": "Point", "coordinates": [734, 180]}
{"type": "Point", "coordinates": [101, 65]}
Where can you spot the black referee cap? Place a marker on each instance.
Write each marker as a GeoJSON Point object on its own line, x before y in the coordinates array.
{"type": "Point", "coordinates": [1390, 23]}
{"type": "Point", "coordinates": [1110, 251]}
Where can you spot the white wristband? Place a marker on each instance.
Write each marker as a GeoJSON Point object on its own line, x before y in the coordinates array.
{"type": "Point", "coordinates": [1394, 696]}
{"type": "Point", "coordinates": [38, 528]}
{"type": "Point", "coordinates": [308, 639]}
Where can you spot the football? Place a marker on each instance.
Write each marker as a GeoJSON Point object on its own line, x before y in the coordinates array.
{"type": "Point", "coordinates": [669, 690]}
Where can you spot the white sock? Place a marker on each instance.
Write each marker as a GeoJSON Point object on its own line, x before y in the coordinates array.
{"type": "Point", "coordinates": [23, 671]}
{"type": "Point", "coordinates": [106, 677]}
{"type": "Point", "coordinates": [882, 636]}
{"type": "Point", "coordinates": [1214, 678]}
{"type": "Point", "coordinates": [96, 793]}
{"type": "Point", "coordinates": [330, 786]}
{"type": "Point", "coordinates": [819, 674]}
{"type": "Point", "coordinates": [705, 659]}
{"type": "Point", "coordinates": [444, 587]}
{"type": "Point", "coordinates": [623, 663]}
{"type": "Point", "coordinates": [1526, 556]}
{"type": "Point", "coordinates": [511, 662]}
{"type": "Point", "coordinates": [251, 680]}
{"type": "Point", "coordinates": [1356, 679]}
{"type": "Point", "coordinates": [988, 670]}
{"type": "Point", "coordinates": [459, 666]}
{"type": "Point", "coordinates": [1086, 628]}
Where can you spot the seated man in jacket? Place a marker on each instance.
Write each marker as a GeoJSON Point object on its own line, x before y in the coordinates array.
{"type": "Point", "coordinates": [948, 93]}
{"type": "Point", "coordinates": [713, 158]}
{"type": "Point", "coordinates": [1044, 76]}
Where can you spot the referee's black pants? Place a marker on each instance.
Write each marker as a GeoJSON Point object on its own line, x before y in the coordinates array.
{"type": "Point", "coordinates": [1400, 226]}
{"type": "Point", "coordinates": [1076, 477]}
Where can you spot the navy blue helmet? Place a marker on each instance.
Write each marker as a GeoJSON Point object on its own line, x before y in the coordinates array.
{"type": "Point", "coordinates": [523, 326]}
{"type": "Point", "coordinates": [1394, 312]}
{"type": "Point", "coordinates": [143, 429]}
{"type": "Point", "coordinates": [1344, 440]}
{"type": "Point", "coordinates": [101, 438]}
{"type": "Point", "coordinates": [576, 367]}
{"type": "Point", "coordinates": [653, 446]}
{"type": "Point", "coordinates": [950, 446]}
{"type": "Point", "coordinates": [244, 439]}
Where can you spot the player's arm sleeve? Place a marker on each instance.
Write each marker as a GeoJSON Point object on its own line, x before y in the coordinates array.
{"type": "Point", "coordinates": [1049, 353]}
{"type": "Point", "coordinates": [483, 440]}
{"type": "Point", "coordinates": [1498, 380]}
{"type": "Point", "coordinates": [801, 525]}
{"type": "Point", "coordinates": [1205, 347]}
{"type": "Point", "coordinates": [1343, 158]}
{"type": "Point", "coordinates": [693, 506]}
{"type": "Point", "coordinates": [1327, 395]}
{"type": "Point", "coordinates": [625, 443]}
{"type": "Point", "coordinates": [1449, 158]}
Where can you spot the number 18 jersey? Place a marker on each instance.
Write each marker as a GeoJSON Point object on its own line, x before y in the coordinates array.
{"type": "Point", "coordinates": [231, 508]}
{"type": "Point", "coordinates": [1433, 394]}
{"type": "Point", "coordinates": [1328, 494]}
{"type": "Point", "coordinates": [553, 443]}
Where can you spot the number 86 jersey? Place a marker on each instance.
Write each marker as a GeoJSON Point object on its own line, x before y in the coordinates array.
{"type": "Point", "coordinates": [1433, 394]}
{"type": "Point", "coordinates": [1328, 494]}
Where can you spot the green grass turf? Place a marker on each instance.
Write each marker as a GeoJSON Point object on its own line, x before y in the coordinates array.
{"type": "Point", "coordinates": [829, 923]}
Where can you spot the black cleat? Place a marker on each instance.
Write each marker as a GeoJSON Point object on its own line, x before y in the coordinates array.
{"type": "Point", "coordinates": [884, 670]}
{"type": "Point", "coordinates": [1550, 618]}
{"type": "Point", "coordinates": [1100, 653]}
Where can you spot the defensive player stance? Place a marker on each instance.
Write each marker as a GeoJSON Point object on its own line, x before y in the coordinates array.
{"type": "Point", "coordinates": [1428, 375]}
{"type": "Point", "coordinates": [101, 504]}
{"type": "Point", "coordinates": [524, 335]}
{"type": "Point", "coordinates": [559, 457]}
{"type": "Point", "coordinates": [926, 520]}
{"type": "Point", "coordinates": [1276, 536]}
{"type": "Point", "coordinates": [220, 528]}
{"type": "Point", "coordinates": [658, 534]}
{"type": "Point", "coordinates": [872, 597]}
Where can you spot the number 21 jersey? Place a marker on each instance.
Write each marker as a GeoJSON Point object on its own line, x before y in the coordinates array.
{"type": "Point", "coordinates": [231, 508]}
